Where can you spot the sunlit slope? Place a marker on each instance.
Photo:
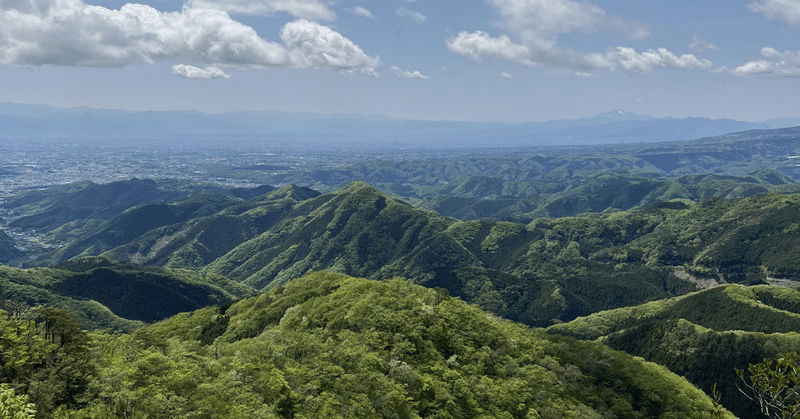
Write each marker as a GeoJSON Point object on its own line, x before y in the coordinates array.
{"type": "Point", "coordinates": [378, 349]}
{"type": "Point", "coordinates": [703, 336]}
{"type": "Point", "coordinates": [152, 222]}
{"type": "Point", "coordinates": [359, 230]}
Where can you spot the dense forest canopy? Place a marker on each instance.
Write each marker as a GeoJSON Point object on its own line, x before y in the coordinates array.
{"type": "Point", "coordinates": [328, 345]}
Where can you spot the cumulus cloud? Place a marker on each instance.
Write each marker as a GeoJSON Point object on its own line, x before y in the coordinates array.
{"type": "Point", "coordinates": [774, 63]}
{"type": "Point", "coordinates": [479, 45]}
{"type": "Point", "coordinates": [192, 72]}
{"type": "Point", "coordinates": [629, 59]}
{"type": "Point", "coordinates": [785, 10]}
{"type": "Point", "coordinates": [417, 16]}
{"type": "Point", "coordinates": [699, 45]}
{"type": "Point", "coordinates": [307, 9]}
{"type": "Point", "coordinates": [407, 74]}
{"type": "Point", "coordinates": [361, 11]}
{"type": "Point", "coordinates": [535, 24]}
{"type": "Point", "coordinates": [506, 75]}
{"type": "Point", "coordinates": [71, 33]}
{"type": "Point", "coordinates": [313, 45]}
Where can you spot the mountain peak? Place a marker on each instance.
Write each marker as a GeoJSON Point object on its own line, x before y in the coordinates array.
{"type": "Point", "coordinates": [617, 115]}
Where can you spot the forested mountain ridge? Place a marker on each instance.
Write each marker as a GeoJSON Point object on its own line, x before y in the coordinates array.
{"type": "Point", "coordinates": [99, 234]}
{"type": "Point", "coordinates": [703, 336]}
{"type": "Point", "coordinates": [486, 198]}
{"type": "Point", "coordinates": [57, 205]}
{"type": "Point", "coordinates": [547, 271]}
{"type": "Point", "coordinates": [522, 184]}
{"type": "Point", "coordinates": [328, 345]}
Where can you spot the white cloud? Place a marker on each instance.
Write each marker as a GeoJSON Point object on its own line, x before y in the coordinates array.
{"type": "Point", "coordinates": [417, 16]}
{"type": "Point", "coordinates": [71, 33]}
{"type": "Point", "coordinates": [585, 75]}
{"type": "Point", "coordinates": [479, 45]}
{"type": "Point", "coordinates": [313, 45]}
{"type": "Point", "coordinates": [506, 75]}
{"type": "Point", "coordinates": [785, 10]}
{"type": "Point", "coordinates": [534, 25]}
{"type": "Point", "coordinates": [629, 59]}
{"type": "Point", "coordinates": [775, 63]}
{"type": "Point", "coordinates": [408, 74]}
{"type": "Point", "coordinates": [307, 9]}
{"type": "Point", "coordinates": [192, 72]}
{"type": "Point", "coordinates": [699, 45]}
{"type": "Point", "coordinates": [536, 19]}
{"type": "Point", "coordinates": [361, 11]}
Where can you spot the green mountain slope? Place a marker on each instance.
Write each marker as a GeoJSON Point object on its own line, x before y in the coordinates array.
{"type": "Point", "coordinates": [49, 208]}
{"type": "Point", "coordinates": [93, 238]}
{"type": "Point", "coordinates": [333, 346]}
{"type": "Point", "coordinates": [8, 249]}
{"type": "Point", "coordinates": [104, 294]}
{"type": "Point", "coordinates": [359, 230]}
{"type": "Point", "coordinates": [547, 271]}
{"type": "Point", "coordinates": [482, 197]}
{"type": "Point", "coordinates": [703, 336]}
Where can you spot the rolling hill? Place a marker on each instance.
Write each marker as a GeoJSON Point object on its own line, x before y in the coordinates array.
{"type": "Point", "coordinates": [703, 336]}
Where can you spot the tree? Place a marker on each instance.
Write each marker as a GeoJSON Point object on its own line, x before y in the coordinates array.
{"type": "Point", "coordinates": [774, 385]}
{"type": "Point", "coordinates": [13, 406]}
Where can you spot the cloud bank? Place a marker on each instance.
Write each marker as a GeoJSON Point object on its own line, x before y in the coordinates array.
{"type": "Point", "coordinates": [305, 9]}
{"type": "Point", "coordinates": [774, 63]}
{"type": "Point", "coordinates": [72, 33]}
{"type": "Point", "coordinates": [535, 24]}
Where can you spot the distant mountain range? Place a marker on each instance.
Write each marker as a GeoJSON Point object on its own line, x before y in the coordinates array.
{"type": "Point", "coordinates": [24, 120]}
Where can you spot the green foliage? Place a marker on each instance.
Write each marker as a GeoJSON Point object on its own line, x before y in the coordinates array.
{"type": "Point", "coordinates": [774, 385]}
{"type": "Point", "coordinates": [329, 345]}
{"type": "Point", "coordinates": [702, 336]}
{"type": "Point", "coordinates": [44, 356]}
{"type": "Point", "coordinates": [14, 406]}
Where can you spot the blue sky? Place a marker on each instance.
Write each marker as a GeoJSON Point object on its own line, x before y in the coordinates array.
{"type": "Point", "coordinates": [478, 60]}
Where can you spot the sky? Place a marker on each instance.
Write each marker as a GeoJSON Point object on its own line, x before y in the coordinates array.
{"type": "Point", "coordinates": [465, 60]}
